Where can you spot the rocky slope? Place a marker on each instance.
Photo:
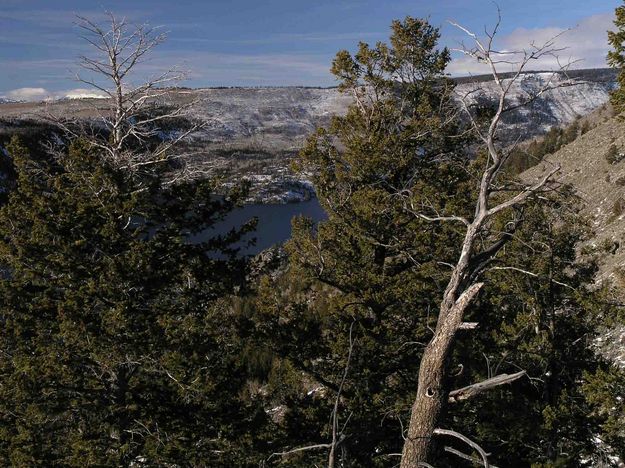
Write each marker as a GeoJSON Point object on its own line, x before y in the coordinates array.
{"type": "Point", "coordinates": [599, 180]}
{"type": "Point", "coordinates": [594, 165]}
{"type": "Point", "coordinates": [254, 132]}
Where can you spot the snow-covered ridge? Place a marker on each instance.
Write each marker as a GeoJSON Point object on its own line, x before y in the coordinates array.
{"type": "Point", "coordinates": [567, 98]}
{"type": "Point", "coordinates": [84, 95]}
{"type": "Point", "coordinates": [257, 131]}
{"type": "Point", "coordinates": [282, 117]}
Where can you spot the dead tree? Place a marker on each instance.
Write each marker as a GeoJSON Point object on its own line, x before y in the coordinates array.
{"type": "Point", "coordinates": [464, 283]}
{"type": "Point", "coordinates": [131, 113]}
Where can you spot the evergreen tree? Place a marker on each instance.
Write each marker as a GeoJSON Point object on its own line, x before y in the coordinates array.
{"type": "Point", "coordinates": [616, 57]}
{"type": "Point", "coordinates": [374, 270]}
{"type": "Point", "coordinates": [373, 267]}
{"type": "Point", "coordinates": [118, 347]}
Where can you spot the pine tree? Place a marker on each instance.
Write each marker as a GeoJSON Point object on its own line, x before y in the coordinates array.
{"type": "Point", "coordinates": [118, 346]}
{"type": "Point", "coordinates": [616, 57]}
{"type": "Point", "coordinates": [373, 267]}
{"type": "Point", "coordinates": [378, 266]}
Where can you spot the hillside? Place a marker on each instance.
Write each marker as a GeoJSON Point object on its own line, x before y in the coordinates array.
{"type": "Point", "coordinates": [594, 165]}
{"type": "Point", "coordinates": [599, 183]}
{"type": "Point", "coordinates": [255, 132]}
{"type": "Point", "coordinates": [571, 97]}
{"type": "Point", "coordinates": [279, 118]}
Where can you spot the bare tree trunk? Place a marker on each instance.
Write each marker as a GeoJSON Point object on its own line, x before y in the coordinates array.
{"type": "Point", "coordinates": [119, 107]}
{"type": "Point", "coordinates": [462, 288]}
{"type": "Point", "coordinates": [428, 405]}
{"type": "Point", "coordinates": [432, 392]}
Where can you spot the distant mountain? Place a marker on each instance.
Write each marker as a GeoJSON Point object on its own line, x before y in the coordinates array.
{"type": "Point", "coordinates": [282, 117]}
{"type": "Point", "coordinates": [256, 131]}
{"type": "Point", "coordinates": [82, 95]}
{"type": "Point", "coordinates": [574, 94]}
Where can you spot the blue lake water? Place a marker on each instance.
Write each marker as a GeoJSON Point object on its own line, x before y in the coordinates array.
{"type": "Point", "coordinates": [274, 223]}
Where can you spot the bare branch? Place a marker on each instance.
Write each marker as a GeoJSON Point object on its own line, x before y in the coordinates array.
{"type": "Point", "coordinates": [465, 456]}
{"type": "Point", "coordinates": [299, 449]}
{"type": "Point", "coordinates": [525, 194]}
{"type": "Point", "coordinates": [468, 326]}
{"type": "Point", "coordinates": [467, 441]}
{"type": "Point", "coordinates": [530, 273]}
{"type": "Point", "coordinates": [338, 437]}
{"type": "Point", "coordinates": [470, 391]}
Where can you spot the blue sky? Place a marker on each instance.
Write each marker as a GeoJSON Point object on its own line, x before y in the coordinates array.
{"type": "Point", "coordinates": [276, 42]}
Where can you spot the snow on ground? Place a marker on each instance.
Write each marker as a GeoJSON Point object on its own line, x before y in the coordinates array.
{"type": "Point", "coordinates": [256, 132]}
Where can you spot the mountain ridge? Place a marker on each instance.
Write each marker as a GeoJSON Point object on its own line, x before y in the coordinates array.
{"type": "Point", "coordinates": [255, 132]}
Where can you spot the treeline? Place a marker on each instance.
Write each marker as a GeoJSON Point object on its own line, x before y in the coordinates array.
{"type": "Point", "coordinates": [124, 344]}
{"type": "Point", "coordinates": [526, 156]}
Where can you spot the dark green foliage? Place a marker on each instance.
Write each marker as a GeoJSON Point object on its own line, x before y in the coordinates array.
{"type": "Point", "coordinates": [122, 345]}
{"type": "Point", "coordinates": [117, 341]}
{"type": "Point", "coordinates": [613, 155]}
{"type": "Point", "coordinates": [545, 323]}
{"type": "Point", "coordinates": [604, 390]}
{"type": "Point", "coordinates": [31, 133]}
{"type": "Point", "coordinates": [527, 156]}
{"type": "Point", "coordinates": [616, 57]}
{"type": "Point", "coordinates": [399, 147]}
{"type": "Point", "coordinates": [377, 269]}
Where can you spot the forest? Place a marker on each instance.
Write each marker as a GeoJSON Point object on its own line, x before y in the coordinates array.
{"type": "Point", "coordinates": [446, 313]}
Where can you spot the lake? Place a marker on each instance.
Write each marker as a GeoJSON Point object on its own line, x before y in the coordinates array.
{"type": "Point", "coordinates": [274, 223]}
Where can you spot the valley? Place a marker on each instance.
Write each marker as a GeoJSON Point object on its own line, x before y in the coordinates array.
{"type": "Point", "coordinates": [387, 259]}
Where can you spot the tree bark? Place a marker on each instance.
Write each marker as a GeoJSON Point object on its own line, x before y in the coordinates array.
{"type": "Point", "coordinates": [428, 404]}
{"type": "Point", "coordinates": [432, 392]}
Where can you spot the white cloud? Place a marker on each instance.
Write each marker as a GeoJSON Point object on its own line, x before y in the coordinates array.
{"type": "Point", "coordinates": [585, 46]}
{"type": "Point", "coordinates": [42, 94]}
{"type": "Point", "coordinates": [28, 94]}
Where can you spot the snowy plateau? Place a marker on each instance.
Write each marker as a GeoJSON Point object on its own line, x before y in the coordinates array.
{"type": "Point", "coordinates": [254, 133]}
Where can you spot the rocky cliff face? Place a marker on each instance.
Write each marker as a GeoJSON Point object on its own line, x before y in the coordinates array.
{"type": "Point", "coordinates": [254, 132]}
{"type": "Point", "coordinates": [571, 96]}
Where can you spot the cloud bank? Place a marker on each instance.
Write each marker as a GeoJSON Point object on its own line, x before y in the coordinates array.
{"type": "Point", "coordinates": [584, 46]}
{"type": "Point", "coordinates": [42, 94]}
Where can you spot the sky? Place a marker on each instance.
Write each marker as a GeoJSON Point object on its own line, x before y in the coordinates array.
{"type": "Point", "coordinates": [276, 42]}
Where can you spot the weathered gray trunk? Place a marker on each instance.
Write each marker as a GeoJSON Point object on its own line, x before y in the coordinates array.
{"type": "Point", "coordinates": [429, 402]}
{"type": "Point", "coordinates": [432, 390]}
